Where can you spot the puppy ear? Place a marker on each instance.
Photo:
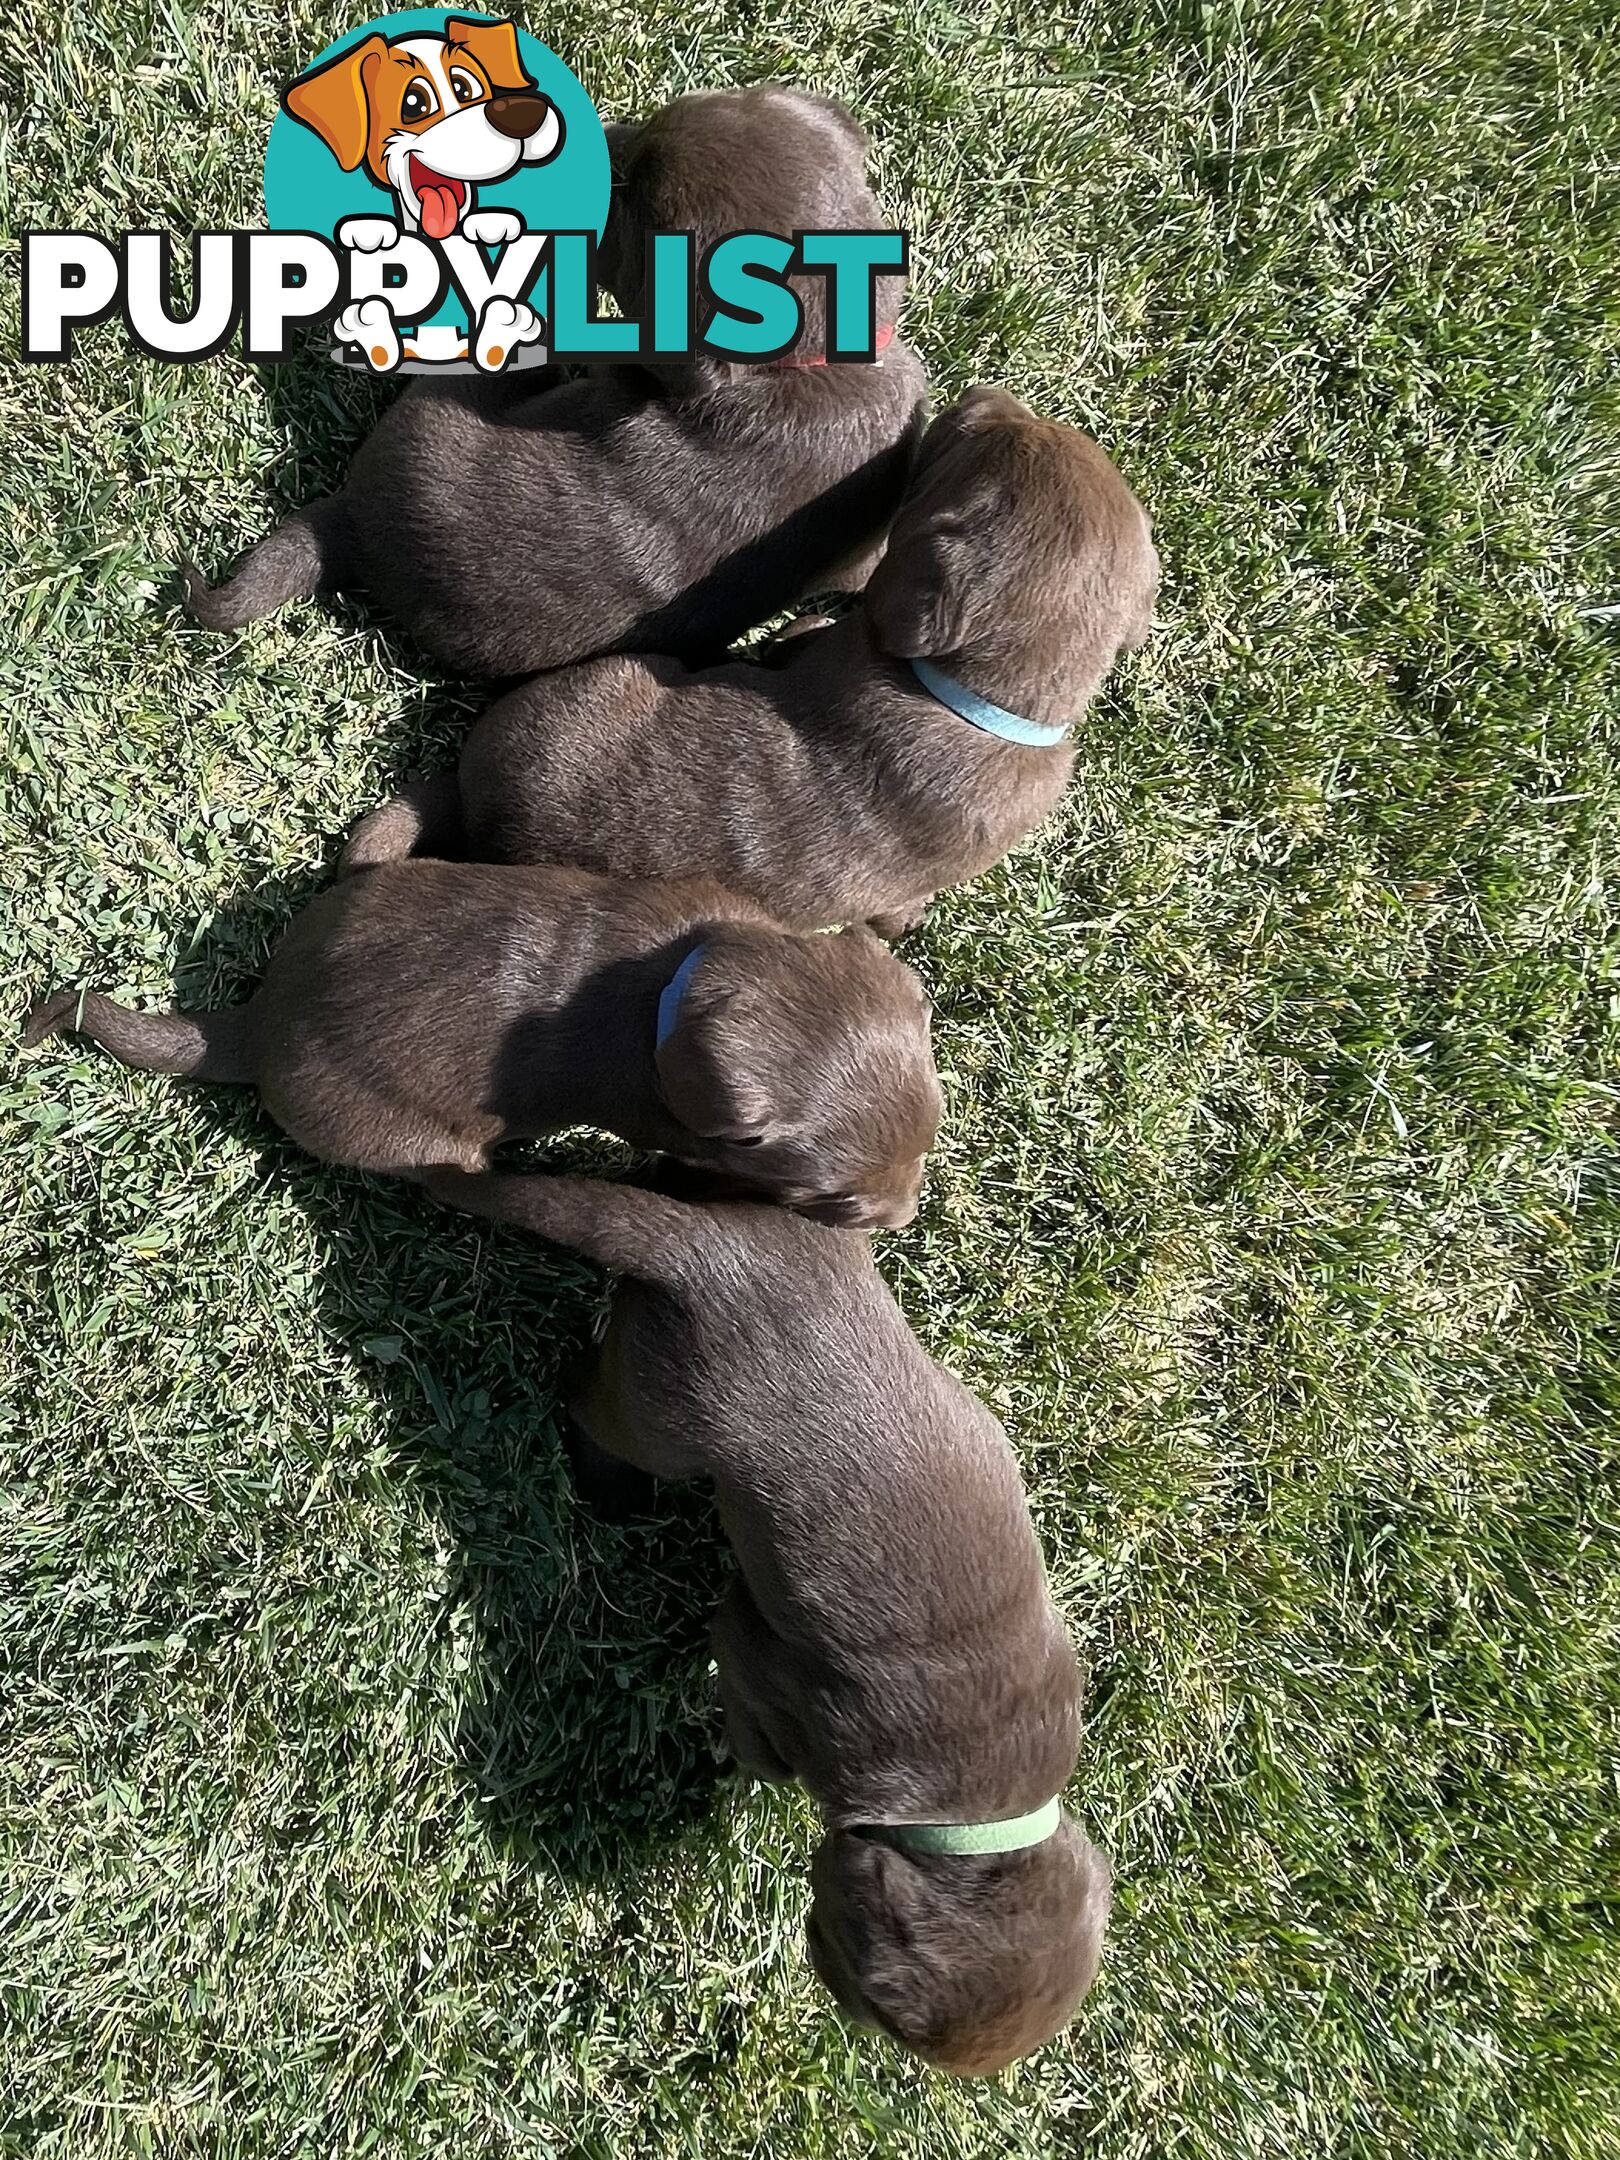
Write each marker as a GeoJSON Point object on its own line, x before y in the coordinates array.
{"type": "Point", "coordinates": [494, 46]}
{"type": "Point", "coordinates": [701, 1074]}
{"type": "Point", "coordinates": [870, 1909]}
{"type": "Point", "coordinates": [839, 114]}
{"type": "Point", "coordinates": [334, 103]}
{"type": "Point", "coordinates": [938, 578]}
{"type": "Point", "coordinates": [971, 1962]}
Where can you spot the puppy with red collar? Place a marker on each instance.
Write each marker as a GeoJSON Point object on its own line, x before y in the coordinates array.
{"type": "Point", "coordinates": [517, 523]}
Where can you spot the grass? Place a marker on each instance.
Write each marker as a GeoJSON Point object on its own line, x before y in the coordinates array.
{"type": "Point", "coordinates": [356, 1794]}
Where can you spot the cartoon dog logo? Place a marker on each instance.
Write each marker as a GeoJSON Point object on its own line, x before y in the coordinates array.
{"type": "Point", "coordinates": [431, 118]}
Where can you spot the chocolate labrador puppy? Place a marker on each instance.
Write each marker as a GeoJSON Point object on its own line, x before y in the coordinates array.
{"type": "Point", "coordinates": [664, 507]}
{"type": "Point", "coordinates": [900, 750]}
{"type": "Point", "coordinates": [422, 1015]}
{"type": "Point", "coordinates": [889, 1640]}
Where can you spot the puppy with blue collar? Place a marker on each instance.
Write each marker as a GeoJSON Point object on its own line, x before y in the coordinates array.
{"type": "Point", "coordinates": [889, 1639]}
{"type": "Point", "coordinates": [872, 762]}
{"type": "Point", "coordinates": [420, 1016]}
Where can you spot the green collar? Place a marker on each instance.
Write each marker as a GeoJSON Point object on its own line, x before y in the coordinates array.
{"type": "Point", "coordinates": [1012, 1834]}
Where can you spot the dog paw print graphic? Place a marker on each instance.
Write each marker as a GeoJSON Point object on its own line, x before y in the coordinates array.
{"type": "Point", "coordinates": [460, 131]}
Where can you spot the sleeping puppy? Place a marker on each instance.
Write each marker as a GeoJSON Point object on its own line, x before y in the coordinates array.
{"type": "Point", "coordinates": [665, 507]}
{"type": "Point", "coordinates": [424, 1014]}
{"type": "Point", "coordinates": [870, 763]}
{"type": "Point", "coordinates": [889, 1639]}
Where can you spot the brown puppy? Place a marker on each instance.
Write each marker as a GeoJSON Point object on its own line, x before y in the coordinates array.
{"type": "Point", "coordinates": [833, 784]}
{"type": "Point", "coordinates": [424, 1014]}
{"type": "Point", "coordinates": [664, 508]}
{"type": "Point", "coordinates": [890, 1640]}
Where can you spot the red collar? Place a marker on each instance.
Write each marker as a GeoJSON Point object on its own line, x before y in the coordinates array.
{"type": "Point", "coordinates": [884, 339]}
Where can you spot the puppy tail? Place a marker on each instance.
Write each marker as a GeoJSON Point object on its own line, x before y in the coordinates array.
{"type": "Point", "coordinates": [200, 1046]}
{"type": "Point", "coordinates": [622, 1227]}
{"type": "Point", "coordinates": [423, 819]}
{"type": "Point", "coordinates": [304, 554]}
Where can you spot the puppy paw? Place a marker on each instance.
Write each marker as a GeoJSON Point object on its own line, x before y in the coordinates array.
{"type": "Point", "coordinates": [502, 328]}
{"type": "Point", "coordinates": [492, 228]}
{"type": "Point", "coordinates": [368, 234]}
{"type": "Point", "coordinates": [368, 325]}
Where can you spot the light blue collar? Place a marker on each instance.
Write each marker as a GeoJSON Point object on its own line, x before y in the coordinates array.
{"type": "Point", "coordinates": [994, 719]}
{"type": "Point", "coordinates": [669, 998]}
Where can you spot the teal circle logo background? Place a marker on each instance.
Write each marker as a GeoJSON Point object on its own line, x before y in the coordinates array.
{"type": "Point", "coordinates": [307, 190]}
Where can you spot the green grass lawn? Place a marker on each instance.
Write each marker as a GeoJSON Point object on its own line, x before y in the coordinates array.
{"type": "Point", "coordinates": [357, 1795]}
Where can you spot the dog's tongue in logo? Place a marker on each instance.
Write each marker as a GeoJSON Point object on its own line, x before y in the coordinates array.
{"type": "Point", "coordinates": [441, 200]}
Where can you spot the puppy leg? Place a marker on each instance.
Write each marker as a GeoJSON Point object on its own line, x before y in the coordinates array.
{"type": "Point", "coordinates": [611, 1406]}
{"type": "Point", "coordinates": [608, 1487]}
{"type": "Point", "coordinates": [612, 1473]}
{"type": "Point", "coordinates": [900, 924]}
{"type": "Point", "coordinates": [740, 1638]}
{"type": "Point", "coordinates": [338, 1117]}
{"type": "Point", "coordinates": [423, 819]}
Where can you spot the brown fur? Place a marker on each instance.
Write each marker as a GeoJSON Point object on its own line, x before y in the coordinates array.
{"type": "Point", "coordinates": [830, 784]}
{"type": "Point", "coordinates": [424, 1014]}
{"type": "Point", "coordinates": [889, 1639]}
{"type": "Point", "coordinates": [664, 508]}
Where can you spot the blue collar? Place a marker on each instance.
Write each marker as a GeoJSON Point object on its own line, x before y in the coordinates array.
{"type": "Point", "coordinates": [994, 719]}
{"type": "Point", "coordinates": [669, 998]}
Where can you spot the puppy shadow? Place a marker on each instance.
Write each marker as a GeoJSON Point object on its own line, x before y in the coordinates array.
{"type": "Point", "coordinates": [325, 412]}
{"type": "Point", "coordinates": [582, 1715]}
{"type": "Point", "coordinates": [322, 413]}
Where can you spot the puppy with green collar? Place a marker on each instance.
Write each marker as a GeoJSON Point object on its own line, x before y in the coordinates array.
{"type": "Point", "coordinates": [888, 1639]}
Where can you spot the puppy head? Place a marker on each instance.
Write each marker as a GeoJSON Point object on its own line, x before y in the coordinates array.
{"type": "Point", "coordinates": [768, 159]}
{"type": "Point", "coordinates": [1019, 529]}
{"type": "Point", "coordinates": [800, 1066]}
{"type": "Point", "coordinates": [969, 1960]}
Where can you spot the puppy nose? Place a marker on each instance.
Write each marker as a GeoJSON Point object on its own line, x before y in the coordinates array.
{"type": "Point", "coordinates": [517, 113]}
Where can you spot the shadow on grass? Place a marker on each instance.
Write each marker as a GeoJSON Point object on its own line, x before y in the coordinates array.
{"type": "Point", "coordinates": [586, 1728]}
{"type": "Point", "coordinates": [325, 412]}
